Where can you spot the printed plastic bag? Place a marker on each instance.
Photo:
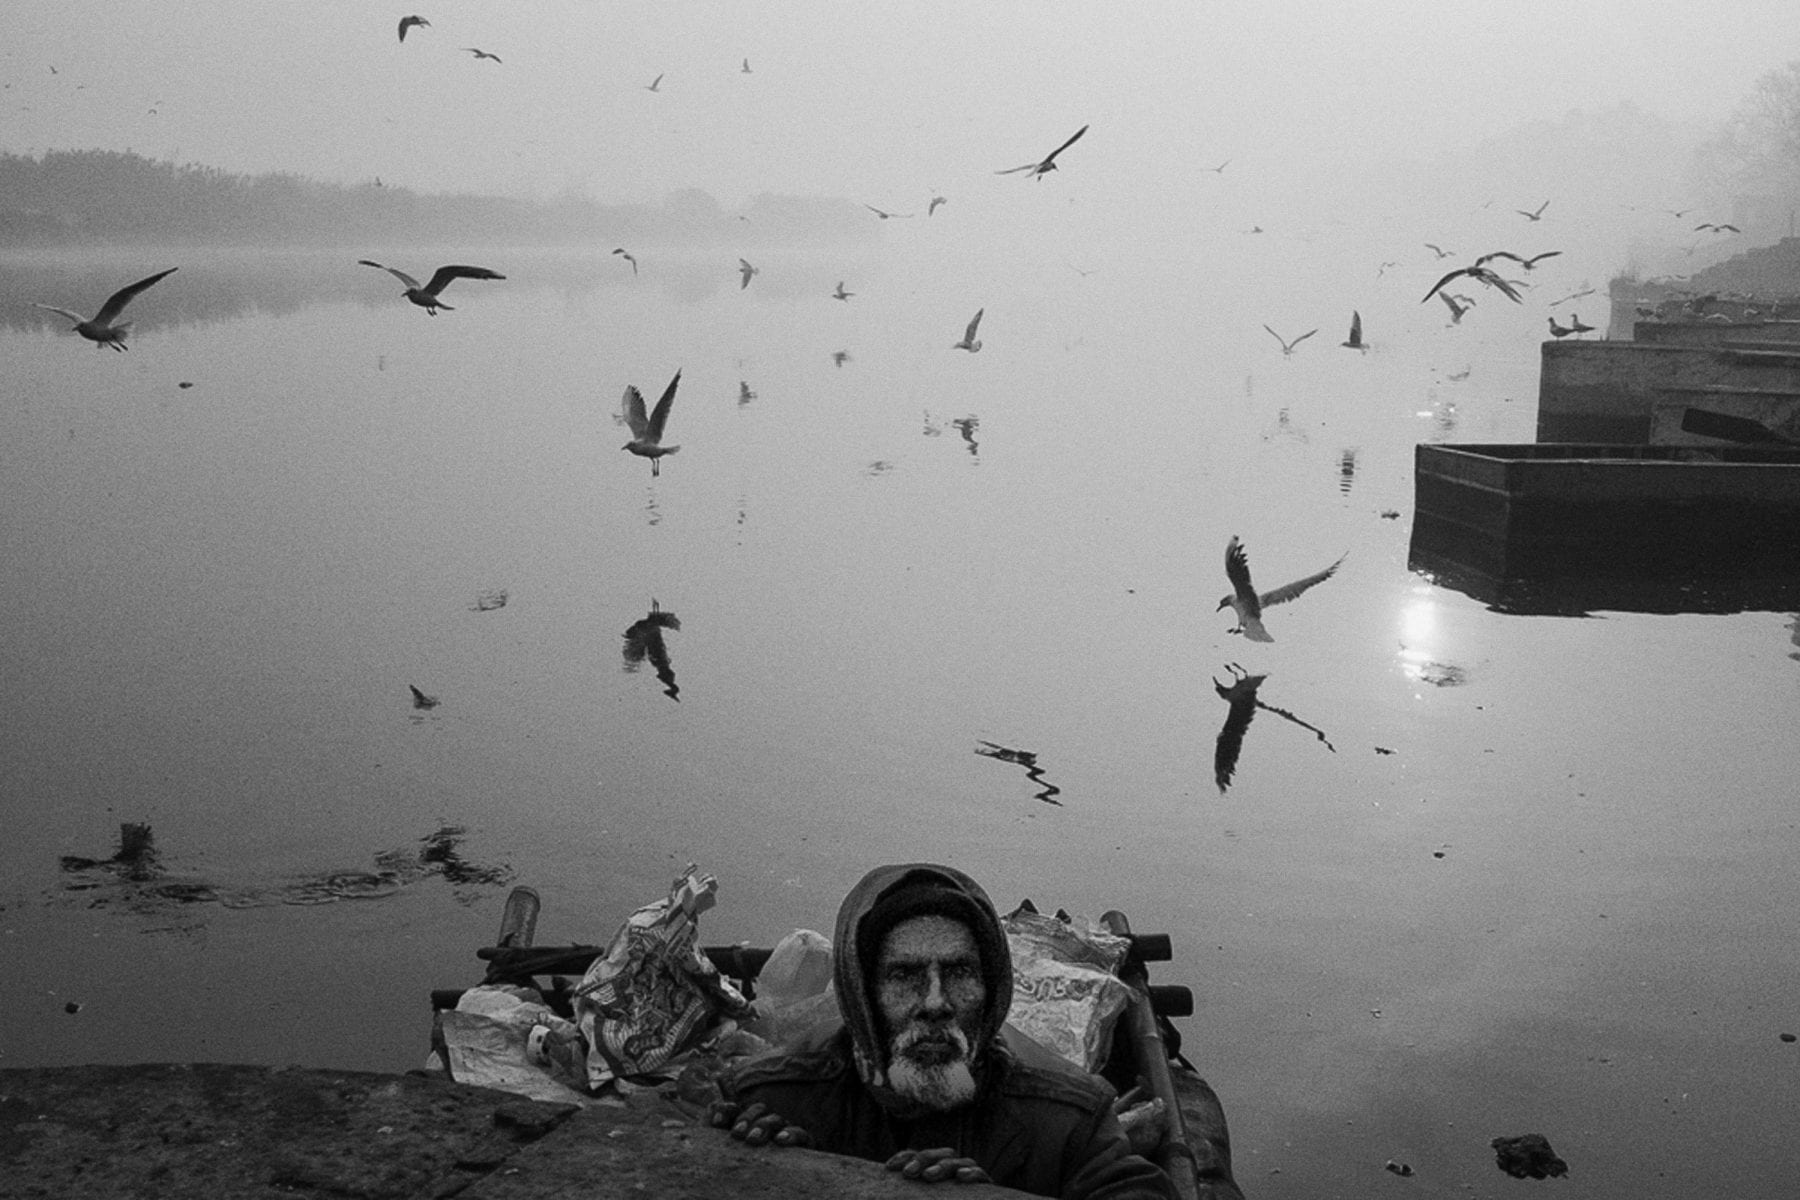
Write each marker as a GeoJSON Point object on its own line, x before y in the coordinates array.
{"type": "Point", "coordinates": [654, 994]}
{"type": "Point", "coordinates": [1066, 994]}
{"type": "Point", "coordinates": [507, 1038]}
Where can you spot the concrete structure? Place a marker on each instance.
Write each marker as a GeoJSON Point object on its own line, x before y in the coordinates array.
{"type": "Point", "coordinates": [1607, 391]}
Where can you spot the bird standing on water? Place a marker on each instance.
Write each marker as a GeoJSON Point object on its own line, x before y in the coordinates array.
{"type": "Point", "coordinates": [427, 297]}
{"type": "Point", "coordinates": [969, 342]}
{"type": "Point", "coordinates": [1248, 604]}
{"type": "Point", "coordinates": [1048, 162]}
{"type": "Point", "coordinates": [647, 431]}
{"type": "Point", "coordinates": [100, 330]}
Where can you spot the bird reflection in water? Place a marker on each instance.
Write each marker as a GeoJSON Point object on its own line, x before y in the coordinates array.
{"type": "Point", "coordinates": [967, 427]}
{"type": "Point", "coordinates": [1241, 695]}
{"type": "Point", "coordinates": [1346, 469]}
{"type": "Point", "coordinates": [644, 640]}
{"type": "Point", "coordinates": [1026, 759]}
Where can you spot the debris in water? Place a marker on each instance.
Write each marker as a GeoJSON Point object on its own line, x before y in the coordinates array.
{"type": "Point", "coordinates": [1528, 1156]}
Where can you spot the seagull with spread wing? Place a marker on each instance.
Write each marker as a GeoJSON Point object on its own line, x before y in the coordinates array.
{"type": "Point", "coordinates": [100, 329]}
{"type": "Point", "coordinates": [1481, 274]}
{"type": "Point", "coordinates": [1048, 163]}
{"type": "Point", "coordinates": [1287, 347]}
{"type": "Point", "coordinates": [407, 23]}
{"type": "Point", "coordinates": [935, 201]}
{"type": "Point", "coordinates": [746, 271]}
{"type": "Point", "coordinates": [481, 54]}
{"type": "Point", "coordinates": [1527, 263]}
{"type": "Point", "coordinates": [1457, 304]}
{"type": "Point", "coordinates": [841, 294]}
{"type": "Point", "coordinates": [427, 297]}
{"type": "Point", "coordinates": [1248, 604]}
{"type": "Point", "coordinates": [1536, 215]}
{"type": "Point", "coordinates": [628, 257]}
{"type": "Point", "coordinates": [1355, 340]}
{"type": "Point", "coordinates": [969, 341]}
{"type": "Point", "coordinates": [884, 214]}
{"type": "Point", "coordinates": [647, 431]}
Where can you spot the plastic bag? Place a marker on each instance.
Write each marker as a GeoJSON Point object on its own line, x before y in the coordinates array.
{"type": "Point", "coordinates": [794, 996]}
{"type": "Point", "coordinates": [653, 994]}
{"type": "Point", "coordinates": [1066, 994]}
{"type": "Point", "coordinates": [507, 1038]}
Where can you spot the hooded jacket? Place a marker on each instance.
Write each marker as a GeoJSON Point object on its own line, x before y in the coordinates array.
{"type": "Point", "coordinates": [1048, 1131]}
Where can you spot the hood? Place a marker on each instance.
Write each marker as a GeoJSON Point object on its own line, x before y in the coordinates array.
{"type": "Point", "coordinates": [857, 942]}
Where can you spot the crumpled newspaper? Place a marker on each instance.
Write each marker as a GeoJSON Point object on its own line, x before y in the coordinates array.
{"type": "Point", "coordinates": [1066, 994]}
{"type": "Point", "coordinates": [505, 1037]}
{"type": "Point", "coordinates": [654, 993]}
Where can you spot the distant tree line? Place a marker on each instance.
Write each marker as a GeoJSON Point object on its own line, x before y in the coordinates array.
{"type": "Point", "coordinates": [86, 196]}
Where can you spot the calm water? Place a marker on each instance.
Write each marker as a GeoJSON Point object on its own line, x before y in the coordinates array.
{"type": "Point", "coordinates": [1498, 873]}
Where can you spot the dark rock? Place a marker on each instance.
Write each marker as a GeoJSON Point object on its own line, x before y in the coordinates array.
{"type": "Point", "coordinates": [1528, 1156]}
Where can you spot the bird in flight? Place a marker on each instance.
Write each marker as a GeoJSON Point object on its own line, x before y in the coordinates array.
{"type": "Point", "coordinates": [1438, 250]}
{"type": "Point", "coordinates": [1220, 169]}
{"type": "Point", "coordinates": [481, 54]}
{"type": "Point", "coordinates": [746, 67]}
{"type": "Point", "coordinates": [1535, 215]}
{"type": "Point", "coordinates": [1355, 341]}
{"type": "Point", "coordinates": [427, 297]}
{"type": "Point", "coordinates": [655, 84]}
{"type": "Point", "coordinates": [1527, 263]}
{"type": "Point", "coordinates": [886, 215]}
{"type": "Point", "coordinates": [407, 23]}
{"type": "Point", "coordinates": [746, 271]}
{"type": "Point", "coordinates": [1048, 163]}
{"type": "Point", "coordinates": [100, 330]}
{"type": "Point", "coordinates": [1458, 305]}
{"type": "Point", "coordinates": [935, 201]}
{"type": "Point", "coordinates": [1481, 274]}
{"type": "Point", "coordinates": [841, 294]}
{"type": "Point", "coordinates": [627, 256]}
{"type": "Point", "coordinates": [969, 342]}
{"type": "Point", "coordinates": [1287, 347]}
{"type": "Point", "coordinates": [1248, 604]}
{"type": "Point", "coordinates": [839, 358]}
{"type": "Point", "coordinates": [421, 700]}
{"type": "Point", "coordinates": [647, 431]}
{"type": "Point", "coordinates": [1717, 228]}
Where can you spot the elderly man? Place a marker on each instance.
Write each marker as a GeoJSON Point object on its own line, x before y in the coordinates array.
{"type": "Point", "coordinates": [918, 1075]}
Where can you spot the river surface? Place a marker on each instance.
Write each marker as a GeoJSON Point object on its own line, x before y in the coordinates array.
{"type": "Point", "coordinates": [1474, 872]}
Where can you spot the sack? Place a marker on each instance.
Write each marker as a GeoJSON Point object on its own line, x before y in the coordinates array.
{"type": "Point", "coordinates": [654, 994]}
{"type": "Point", "coordinates": [1065, 992]}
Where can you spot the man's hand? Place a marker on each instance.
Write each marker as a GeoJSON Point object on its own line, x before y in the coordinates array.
{"type": "Point", "coordinates": [935, 1166]}
{"type": "Point", "coordinates": [755, 1125]}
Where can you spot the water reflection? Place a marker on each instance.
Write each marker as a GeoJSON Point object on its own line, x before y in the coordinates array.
{"type": "Point", "coordinates": [967, 427]}
{"type": "Point", "coordinates": [1583, 596]}
{"type": "Point", "coordinates": [1241, 695]}
{"type": "Point", "coordinates": [1026, 759]}
{"type": "Point", "coordinates": [134, 879]}
{"type": "Point", "coordinates": [644, 641]}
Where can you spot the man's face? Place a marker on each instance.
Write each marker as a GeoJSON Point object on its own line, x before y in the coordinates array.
{"type": "Point", "coordinates": [929, 989]}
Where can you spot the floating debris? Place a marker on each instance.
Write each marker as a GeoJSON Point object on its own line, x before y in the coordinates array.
{"type": "Point", "coordinates": [1026, 759]}
{"type": "Point", "coordinates": [489, 601]}
{"type": "Point", "coordinates": [1528, 1156]}
{"type": "Point", "coordinates": [1404, 1170]}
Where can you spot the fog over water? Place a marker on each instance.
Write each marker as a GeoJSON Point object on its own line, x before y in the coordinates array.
{"type": "Point", "coordinates": [1473, 872]}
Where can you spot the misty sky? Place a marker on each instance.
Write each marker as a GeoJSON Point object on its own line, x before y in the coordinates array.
{"type": "Point", "coordinates": [884, 103]}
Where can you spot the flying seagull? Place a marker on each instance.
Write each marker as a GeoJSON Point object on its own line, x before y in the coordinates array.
{"type": "Point", "coordinates": [100, 330]}
{"type": "Point", "coordinates": [1048, 164]}
{"type": "Point", "coordinates": [1535, 215]}
{"type": "Point", "coordinates": [481, 54]}
{"type": "Point", "coordinates": [407, 23]}
{"type": "Point", "coordinates": [841, 294]}
{"type": "Point", "coordinates": [746, 270]}
{"type": "Point", "coordinates": [1438, 250]}
{"type": "Point", "coordinates": [421, 700]}
{"type": "Point", "coordinates": [968, 338]}
{"type": "Point", "coordinates": [1717, 228]}
{"type": "Point", "coordinates": [647, 432]}
{"type": "Point", "coordinates": [1458, 305]}
{"type": "Point", "coordinates": [627, 256]}
{"type": "Point", "coordinates": [935, 201]}
{"type": "Point", "coordinates": [427, 297]}
{"type": "Point", "coordinates": [885, 215]}
{"type": "Point", "coordinates": [654, 84]}
{"type": "Point", "coordinates": [1354, 342]}
{"type": "Point", "coordinates": [1248, 604]}
{"type": "Point", "coordinates": [1220, 169]}
{"type": "Point", "coordinates": [1527, 263]}
{"type": "Point", "coordinates": [746, 68]}
{"type": "Point", "coordinates": [1287, 347]}
{"type": "Point", "coordinates": [1481, 274]}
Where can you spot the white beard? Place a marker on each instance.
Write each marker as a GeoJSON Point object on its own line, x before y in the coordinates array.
{"type": "Point", "coordinates": [939, 1086]}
